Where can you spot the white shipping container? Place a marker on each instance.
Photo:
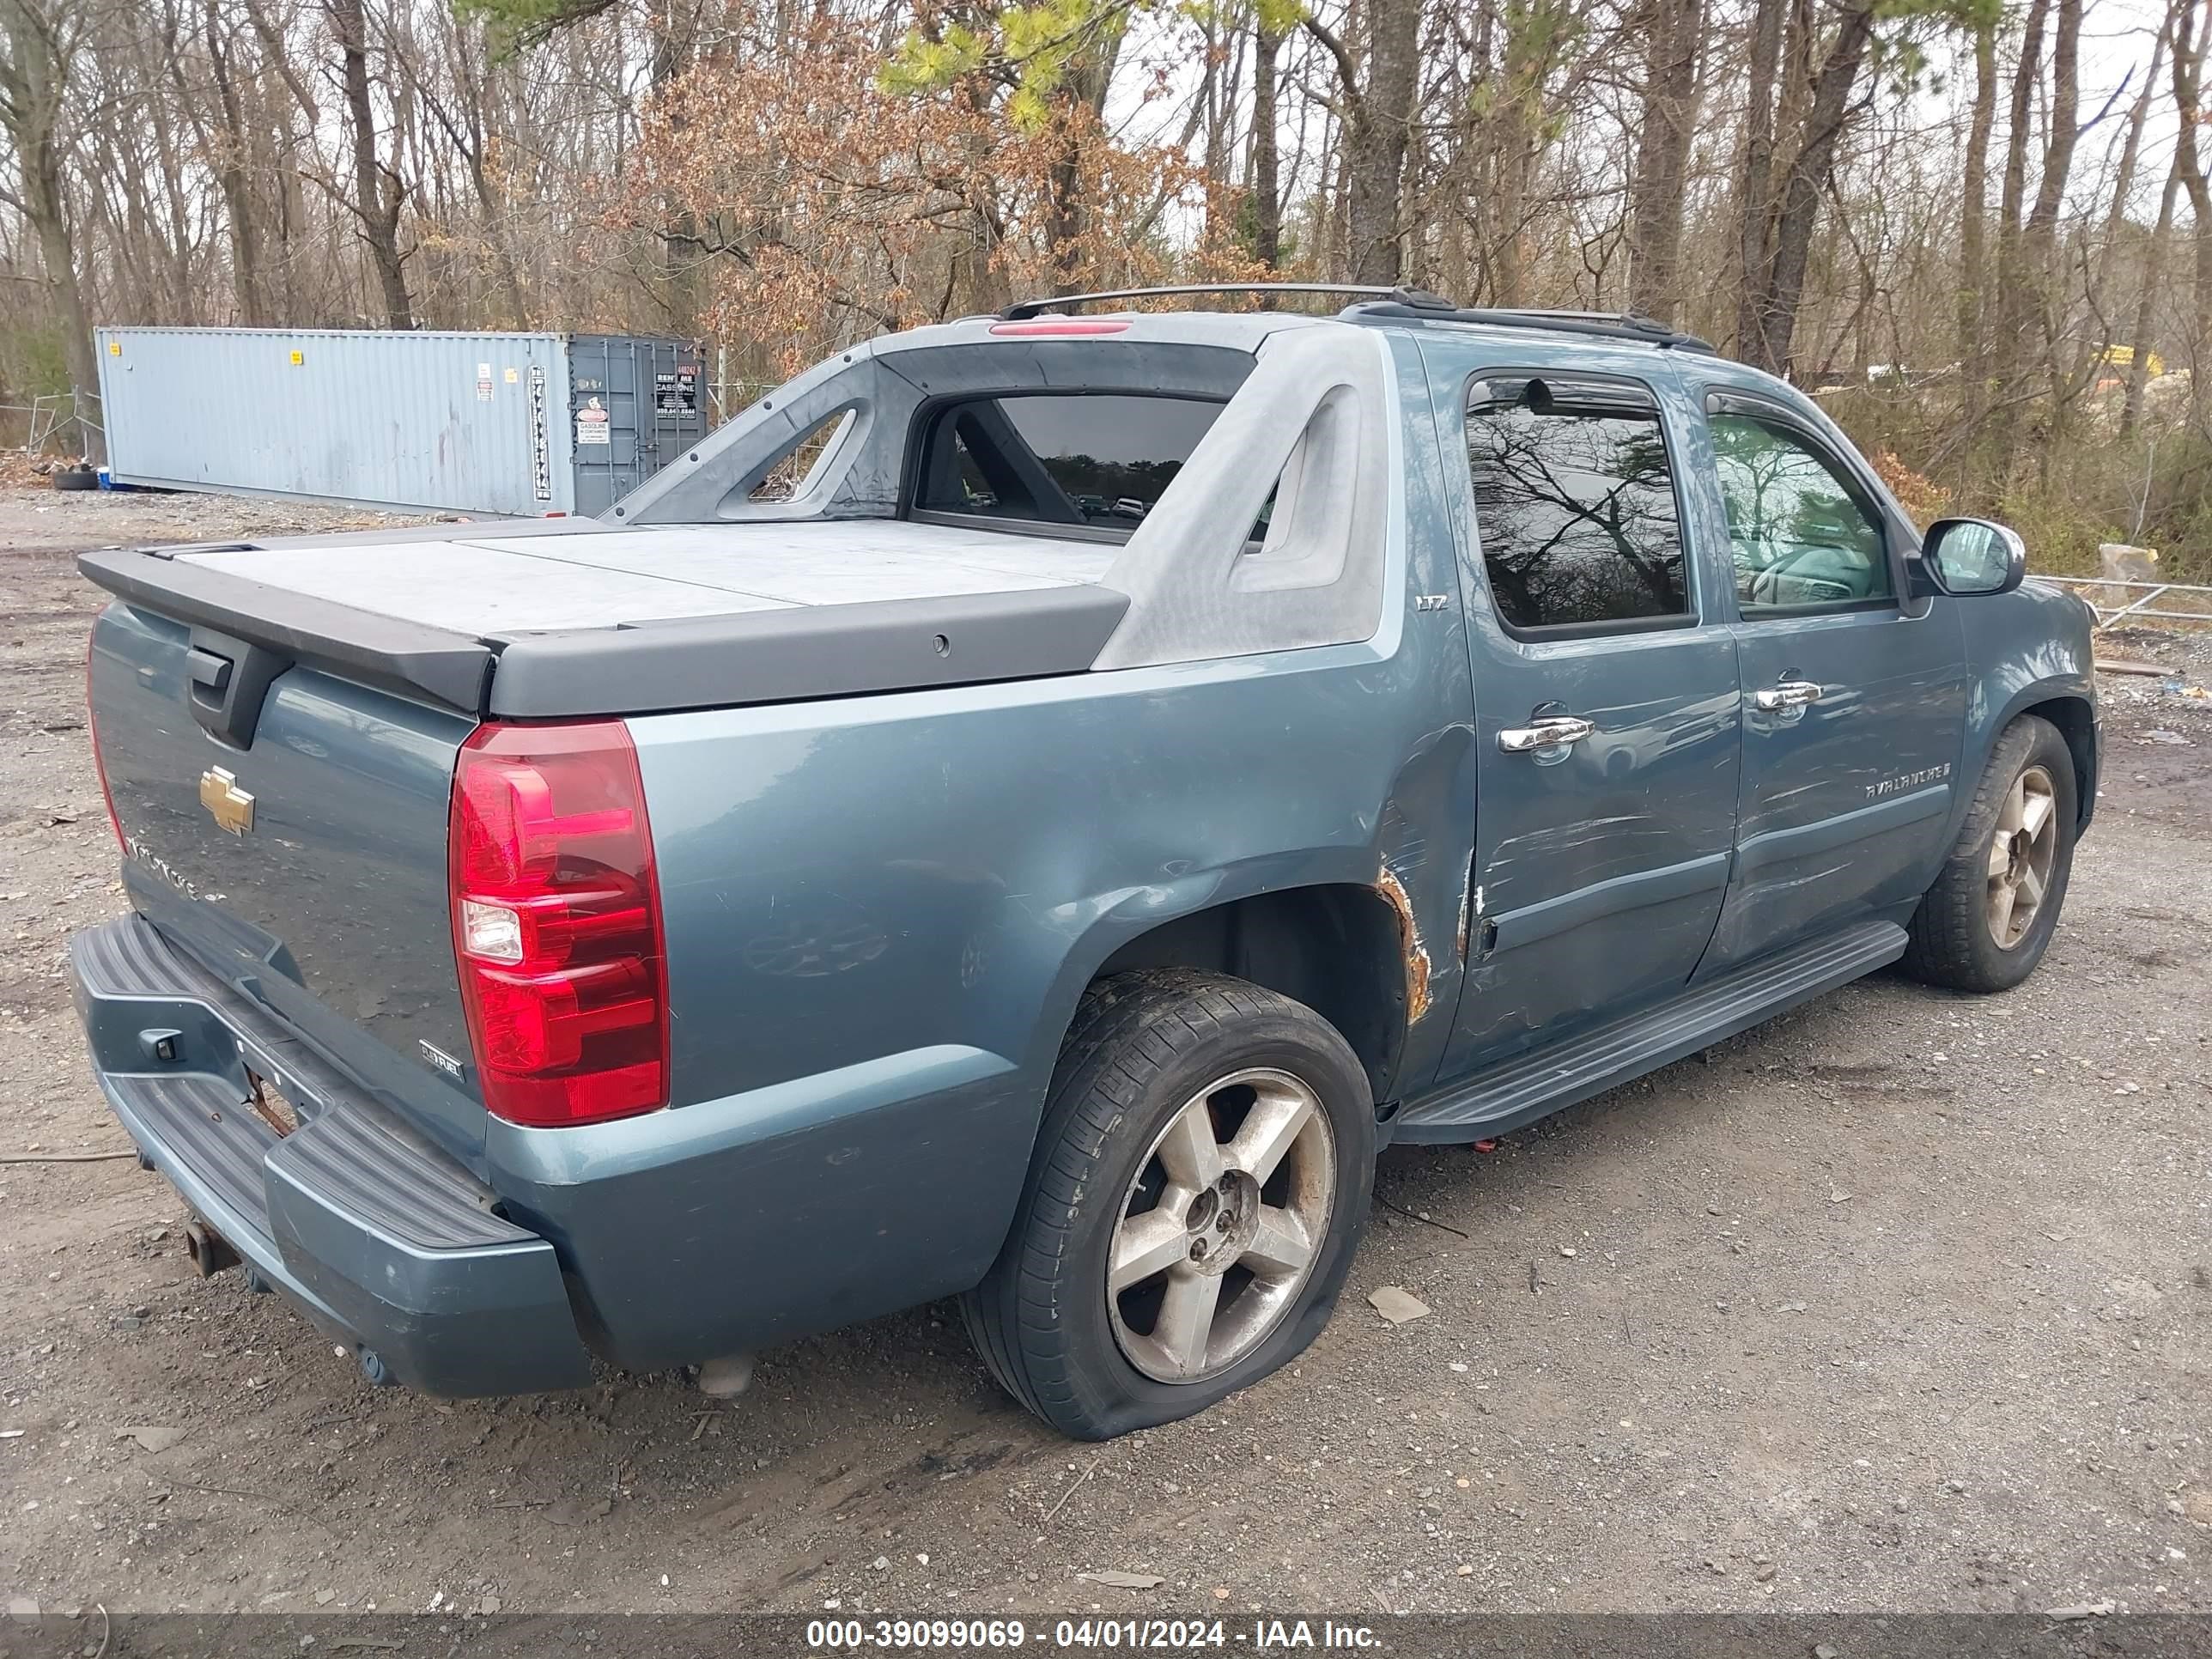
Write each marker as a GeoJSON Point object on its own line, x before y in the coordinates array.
{"type": "Point", "coordinates": [522, 425]}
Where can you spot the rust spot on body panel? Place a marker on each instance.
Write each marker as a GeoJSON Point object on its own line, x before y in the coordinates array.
{"type": "Point", "coordinates": [1409, 941]}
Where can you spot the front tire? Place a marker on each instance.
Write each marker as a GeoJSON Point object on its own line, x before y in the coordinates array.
{"type": "Point", "coordinates": [1200, 1182]}
{"type": "Point", "coordinates": [1985, 923]}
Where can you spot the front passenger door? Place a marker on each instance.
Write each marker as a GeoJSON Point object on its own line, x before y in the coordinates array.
{"type": "Point", "coordinates": [1853, 696]}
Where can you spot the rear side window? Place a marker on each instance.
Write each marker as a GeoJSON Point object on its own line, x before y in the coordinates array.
{"type": "Point", "coordinates": [1100, 460]}
{"type": "Point", "coordinates": [1575, 504]}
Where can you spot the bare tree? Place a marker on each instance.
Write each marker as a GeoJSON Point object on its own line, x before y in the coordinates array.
{"type": "Point", "coordinates": [1376, 97]}
{"type": "Point", "coordinates": [787, 177]}
{"type": "Point", "coordinates": [1266, 158]}
{"type": "Point", "coordinates": [380, 193]}
{"type": "Point", "coordinates": [2024, 320]}
{"type": "Point", "coordinates": [39, 40]}
{"type": "Point", "coordinates": [2188, 54]}
{"type": "Point", "coordinates": [1662, 153]}
{"type": "Point", "coordinates": [1973, 226]}
{"type": "Point", "coordinates": [1774, 290]}
{"type": "Point", "coordinates": [1755, 183]}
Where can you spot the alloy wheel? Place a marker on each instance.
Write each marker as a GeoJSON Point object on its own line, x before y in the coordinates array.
{"type": "Point", "coordinates": [2021, 855]}
{"type": "Point", "coordinates": [1221, 1226]}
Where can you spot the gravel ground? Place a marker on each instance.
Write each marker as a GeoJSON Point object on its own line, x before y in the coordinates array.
{"type": "Point", "coordinates": [1902, 1301]}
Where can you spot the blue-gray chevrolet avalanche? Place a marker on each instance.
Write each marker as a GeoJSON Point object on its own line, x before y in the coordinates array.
{"type": "Point", "coordinates": [1024, 812]}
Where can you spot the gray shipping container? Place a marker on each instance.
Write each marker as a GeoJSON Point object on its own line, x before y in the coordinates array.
{"type": "Point", "coordinates": [527, 425]}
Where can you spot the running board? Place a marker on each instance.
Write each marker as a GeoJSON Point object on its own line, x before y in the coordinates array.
{"type": "Point", "coordinates": [1527, 1086]}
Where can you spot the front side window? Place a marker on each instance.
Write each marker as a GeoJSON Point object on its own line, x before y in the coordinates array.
{"type": "Point", "coordinates": [1574, 504]}
{"type": "Point", "coordinates": [1800, 534]}
{"type": "Point", "coordinates": [1100, 460]}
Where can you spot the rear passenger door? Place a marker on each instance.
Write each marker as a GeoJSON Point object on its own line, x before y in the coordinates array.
{"type": "Point", "coordinates": [1607, 704]}
{"type": "Point", "coordinates": [1854, 696]}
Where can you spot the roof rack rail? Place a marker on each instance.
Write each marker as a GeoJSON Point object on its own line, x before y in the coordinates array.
{"type": "Point", "coordinates": [1383, 303]}
{"type": "Point", "coordinates": [1596, 324]}
{"type": "Point", "coordinates": [1413, 300]}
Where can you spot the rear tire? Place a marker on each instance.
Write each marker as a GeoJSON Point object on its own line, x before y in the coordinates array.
{"type": "Point", "coordinates": [1985, 923]}
{"type": "Point", "coordinates": [1167, 1078]}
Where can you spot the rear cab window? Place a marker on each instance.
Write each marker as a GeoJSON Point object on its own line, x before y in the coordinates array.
{"type": "Point", "coordinates": [1576, 507]}
{"type": "Point", "coordinates": [1093, 461]}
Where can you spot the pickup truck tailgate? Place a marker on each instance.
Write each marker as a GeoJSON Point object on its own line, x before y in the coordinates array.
{"type": "Point", "coordinates": [304, 861]}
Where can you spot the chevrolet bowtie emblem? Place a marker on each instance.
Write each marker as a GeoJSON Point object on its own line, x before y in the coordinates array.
{"type": "Point", "coordinates": [230, 806]}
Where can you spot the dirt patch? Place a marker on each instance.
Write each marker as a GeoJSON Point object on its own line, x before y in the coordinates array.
{"type": "Point", "coordinates": [22, 471]}
{"type": "Point", "coordinates": [64, 523]}
{"type": "Point", "coordinates": [1901, 1301]}
{"type": "Point", "coordinates": [2158, 729]}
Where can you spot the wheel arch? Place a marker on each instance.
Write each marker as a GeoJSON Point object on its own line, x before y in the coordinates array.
{"type": "Point", "coordinates": [2031, 652]}
{"type": "Point", "coordinates": [1343, 949]}
{"type": "Point", "coordinates": [2075, 717]}
{"type": "Point", "coordinates": [2070, 706]}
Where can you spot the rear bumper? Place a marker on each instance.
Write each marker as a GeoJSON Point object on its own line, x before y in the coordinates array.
{"type": "Point", "coordinates": [389, 1247]}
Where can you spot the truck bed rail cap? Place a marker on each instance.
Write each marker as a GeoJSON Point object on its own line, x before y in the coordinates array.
{"type": "Point", "coordinates": [803, 652]}
{"type": "Point", "coordinates": [380, 651]}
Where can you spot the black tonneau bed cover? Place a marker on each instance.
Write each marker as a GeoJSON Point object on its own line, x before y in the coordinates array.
{"type": "Point", "coordinates": [573, 618]}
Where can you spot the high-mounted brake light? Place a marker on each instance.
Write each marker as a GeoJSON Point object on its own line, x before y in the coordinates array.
{"type": "Point", "coordinates": [556, 924]}
{"type": "Point", "coordinates": [1062, 325]}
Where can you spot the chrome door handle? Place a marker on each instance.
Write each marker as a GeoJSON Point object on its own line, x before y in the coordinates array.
{"type": "Point", "coordinates": [1791, 694]}
{"type": "Point", "coordinates": [1552, 731]}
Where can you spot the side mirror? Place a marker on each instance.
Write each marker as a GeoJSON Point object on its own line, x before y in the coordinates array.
{"type": "Point", "coordinates": [1970, 557]}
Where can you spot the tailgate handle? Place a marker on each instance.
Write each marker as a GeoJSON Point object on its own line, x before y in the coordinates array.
{"type": "Point", "coordinates": [227, 679]}
{"type": "Point", "coordinates": [208, 670]}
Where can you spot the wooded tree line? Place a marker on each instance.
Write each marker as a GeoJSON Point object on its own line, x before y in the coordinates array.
{"type": "Point", "coordinates": [1980, 229]}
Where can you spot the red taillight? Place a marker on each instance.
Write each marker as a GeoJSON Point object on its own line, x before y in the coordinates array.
{"type": "Point", "coordinates": [556, 924]}
{"type": "Point", "coordinates": [92, 729]}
